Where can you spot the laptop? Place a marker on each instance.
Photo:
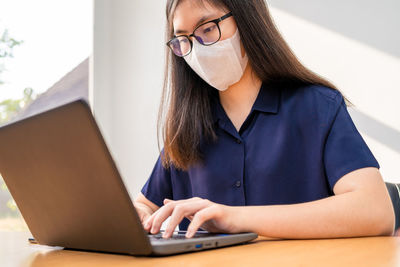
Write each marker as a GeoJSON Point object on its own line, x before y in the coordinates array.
{"type": "Point", "coordinates": [60, 173]}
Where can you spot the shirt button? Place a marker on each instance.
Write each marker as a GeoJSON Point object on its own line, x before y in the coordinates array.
{"type": "Point", "coordinates": [238, 141]}
{"type": "Point", "coordinates": [238, 183]}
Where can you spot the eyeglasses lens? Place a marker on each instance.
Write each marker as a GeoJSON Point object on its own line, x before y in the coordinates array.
{"type": "Point", "coordinates": [207, 34]}
{"type": "Point", "coordinates": [180, 46]}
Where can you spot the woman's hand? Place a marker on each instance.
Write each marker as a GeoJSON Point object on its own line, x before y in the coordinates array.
{"type": "Point", "coordinates": [202, 213]}
{"type": "Point", "coordinates": [143, 210]}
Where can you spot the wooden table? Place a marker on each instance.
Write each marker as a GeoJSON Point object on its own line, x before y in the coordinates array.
{"type": "Point", "coordinates": [373, 251]}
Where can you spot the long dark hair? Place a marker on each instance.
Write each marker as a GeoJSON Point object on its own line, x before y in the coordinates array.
{"type": "Point", "coordinates": [185, 117]}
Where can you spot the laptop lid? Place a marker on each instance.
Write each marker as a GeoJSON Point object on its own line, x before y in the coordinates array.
{"type": "Point", "coordinates": [66, 184]}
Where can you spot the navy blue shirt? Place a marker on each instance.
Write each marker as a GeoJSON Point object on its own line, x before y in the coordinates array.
{"type": "Point", "coordinates": [293, 147]}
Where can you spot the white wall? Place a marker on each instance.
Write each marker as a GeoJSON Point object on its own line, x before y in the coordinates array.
{"type": "Point", "coordinates": [128, 58]}
{"type": "Point", "coordinates": [354, 45]}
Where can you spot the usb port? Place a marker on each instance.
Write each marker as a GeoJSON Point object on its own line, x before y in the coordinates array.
{"type": "Point", "coordinates": [199, 245]}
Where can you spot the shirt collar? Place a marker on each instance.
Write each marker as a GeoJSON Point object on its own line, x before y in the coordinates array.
{"type": "Point", "coordinates": [267, 101]}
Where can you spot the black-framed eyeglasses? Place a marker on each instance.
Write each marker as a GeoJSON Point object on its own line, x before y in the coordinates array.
{"type": "Point", "coordinates": [207, 33]}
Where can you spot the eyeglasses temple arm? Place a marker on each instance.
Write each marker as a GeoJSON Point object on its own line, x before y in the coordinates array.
{"type": "Point", "coordinates": [225, 16]}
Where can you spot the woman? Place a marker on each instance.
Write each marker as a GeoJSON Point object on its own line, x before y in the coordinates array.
{"type": "Point", "coordinates": [253, 140]}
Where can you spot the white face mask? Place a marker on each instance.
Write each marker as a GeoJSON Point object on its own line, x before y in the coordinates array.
{"type": "Point", "coordinates": [220, 64]}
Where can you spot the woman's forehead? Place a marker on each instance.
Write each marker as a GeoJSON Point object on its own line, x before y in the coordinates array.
{"type": "Point", "coordinates": [190, 12]}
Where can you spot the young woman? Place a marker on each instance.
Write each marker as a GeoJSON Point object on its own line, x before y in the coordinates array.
{"type": "Point", "coordinates": [253, 140]}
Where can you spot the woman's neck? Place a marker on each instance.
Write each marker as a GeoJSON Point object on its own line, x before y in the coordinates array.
{"type": "Point", "coordinates": [240, 97]}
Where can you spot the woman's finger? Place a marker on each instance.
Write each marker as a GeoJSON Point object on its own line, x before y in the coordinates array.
{"type": "Point", "coordinates": [181, 210]}
{"type": "Point", "coordinates": [167, 200]}
{"type": "Point", "coordinates": [142, 211]}
{"type": "Point", "coordinates": [149, 222]}
{"type": "Point", "coordinates": [201, 217]}
{"type": "Point", "coordinates": [145, 217]}
{"type": "Point", "coordinates": [164, 212]}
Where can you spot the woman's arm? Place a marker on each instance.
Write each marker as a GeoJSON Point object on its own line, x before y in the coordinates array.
{"type": "Point", "coordinates": [361, 206]}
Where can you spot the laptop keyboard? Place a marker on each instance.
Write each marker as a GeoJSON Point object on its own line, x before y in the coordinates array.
{"type": "Point", "coordinates": [178, 236]}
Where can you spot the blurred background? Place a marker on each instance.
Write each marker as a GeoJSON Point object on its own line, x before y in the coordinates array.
{"type": "Point", "coordinates": [112, 54]}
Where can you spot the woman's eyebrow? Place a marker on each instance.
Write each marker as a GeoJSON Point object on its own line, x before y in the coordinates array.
{"type": "Point", "coordinates": [200, 21]}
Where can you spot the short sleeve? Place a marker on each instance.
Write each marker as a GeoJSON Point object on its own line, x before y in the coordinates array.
{"type": "Point", "coordinates": [158, 186]}
{"type": "Point", "coordinates": [345, 149]}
